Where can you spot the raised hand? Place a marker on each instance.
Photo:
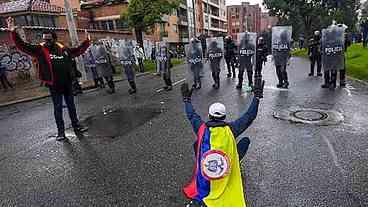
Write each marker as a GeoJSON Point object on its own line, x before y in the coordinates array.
{"type": "Point", "coordinates": [186, 92]}
{"type": "Point", "coordinates": [11, 24]}
{"type": "Point", "coordinates": [87, 35]}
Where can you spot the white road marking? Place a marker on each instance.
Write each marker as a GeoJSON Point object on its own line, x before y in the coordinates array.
{"type": "Point", "coordinates": [333, 154]}
{"type": "Point", "coordinates": [174, 84]}
{"type": "Point", "coordinates": [348, 91]}
{"type": "Point", "coordinates": [274, 88]}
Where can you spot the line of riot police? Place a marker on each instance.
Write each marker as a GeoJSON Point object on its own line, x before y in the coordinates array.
{"type": "Point", "coordinates": [328, 51]}
{"type": "Point", "coordinates": [249, 55]}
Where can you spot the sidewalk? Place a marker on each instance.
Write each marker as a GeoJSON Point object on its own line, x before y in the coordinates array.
{"type": "Point", "coordinates": [32, 91]}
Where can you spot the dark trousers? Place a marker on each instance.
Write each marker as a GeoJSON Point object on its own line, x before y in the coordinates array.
{"type": "Point", "coordinates": [110, 82]}
{"type": "Point", "coordinates": [249, 74]}
{"type": "Point", "coordinates": [258, 70]}
{"type": "Point", "coordinates": [230, 66]}
{"type": "Point", "coordinates": [57, 100]}
{"type": "Point", "coordinates": [215, 70]}
{"type": "Point", "coordinates": [141, 66]}
{"type": "Point", "coordinates": [196, 70]}
{"type": "Point", "coordinates": [167, 78]}
{"type": "Point", "coordinates": [343, 76]}
{"type": "Point", "coordinates": [315, 60]}
{"type": "Point", "coordinates": [330, 77]}
{"type": "Point", "coordinates": [282, 74]}
{"type": "Point", "coordinates": [5, 82]}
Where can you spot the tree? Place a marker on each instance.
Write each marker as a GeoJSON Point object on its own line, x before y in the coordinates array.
{"type": "Point", "coordinates": [365, 9]}
{"type": "Point", "coordinates": [141, 15]}
{"type": "Point", "coordinates": [310, 15]}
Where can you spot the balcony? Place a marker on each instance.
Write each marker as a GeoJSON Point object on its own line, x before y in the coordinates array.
{"type": "Point", "coordinates": [164, 34]}
{"type": "Point", "coordinates": [183, 20]}
{"type": "Point", "coordinates": [215, 2]}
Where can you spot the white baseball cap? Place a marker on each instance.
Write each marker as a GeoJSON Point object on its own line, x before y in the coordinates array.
{"type": "Point", "coordinates": [217, 110]}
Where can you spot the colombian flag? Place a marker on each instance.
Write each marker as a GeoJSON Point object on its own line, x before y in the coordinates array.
{"type": "Point", "coordinates": [216, 178]}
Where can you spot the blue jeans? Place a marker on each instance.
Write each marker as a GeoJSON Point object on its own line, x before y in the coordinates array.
{"type": "Point", "coordinates": [57, 100]}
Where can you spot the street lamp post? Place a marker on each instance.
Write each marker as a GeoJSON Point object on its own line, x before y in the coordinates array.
{"type": "Point", "coordinates": [73, 35]}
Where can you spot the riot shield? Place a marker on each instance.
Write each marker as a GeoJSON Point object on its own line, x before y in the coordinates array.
{"type": "Point", "coordinates": [247, 49]}
{"type": "Point", "coordinates": [162, 57]}
{"type": "Point", "coordinates": [281, 44]}
{"type": "Point", "coordinates": [333, 48]}
{"type": "Point", "coordinates": [194, 57]}
{"type": "Point", "coordinates": [126, 53]}
{"type": "Point", "coordinates": [215, 52]}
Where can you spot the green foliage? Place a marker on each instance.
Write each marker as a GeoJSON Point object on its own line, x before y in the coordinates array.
{"type": "Point", "coordinates": [300, 53]}
{"type": "Point", "coordinates": [308, 15]}
{"type": "Point", "coordinates": [143, 14]}
{"type": "Point", "coordinates": [356, 60]}
{"type": "Point", "coordinates": [176, 61]}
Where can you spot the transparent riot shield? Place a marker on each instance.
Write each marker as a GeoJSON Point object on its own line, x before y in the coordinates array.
{"type": "Point", "coordinates": [333, 42]}
{"type": "Point", "coordinates": [195, 61]}
{"type": "Point", "coordinates": [247, 48]}
{"type": "Point", "coordinates": [215, 53]}
{"type": "Point", "coordinates": [281, 44]}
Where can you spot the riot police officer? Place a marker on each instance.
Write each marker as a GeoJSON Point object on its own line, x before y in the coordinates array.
{"type": "Point", "coordinates": [314, 53]}
{"type": "Point", "coordinates": [261, 56]}
{"type": "Point", "coordinates": [247, 50]}
{"type": "Point", "coordinates": [230, 56]}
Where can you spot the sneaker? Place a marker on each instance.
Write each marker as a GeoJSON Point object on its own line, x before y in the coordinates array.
{"type": "Point", "coordinates": [319, 74]}
{"type": "Point", "coordinates": [80, 129]}
{"type": "Point", "coordinates": [60, 137]}
{"type": "Point", "coordinates": [132, 91]}
{"type": "Point", "coordinates": [310, 74]}
{"type": "Point", "coordinates": [169, 88]}
{"type": "Point", "coordinates": [325, 86]}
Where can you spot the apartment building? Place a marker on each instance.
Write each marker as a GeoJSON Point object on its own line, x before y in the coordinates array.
{"type": "Point", "coordinates": [244, 17]}
{"type": "Point", "coordinates": [214, 17]}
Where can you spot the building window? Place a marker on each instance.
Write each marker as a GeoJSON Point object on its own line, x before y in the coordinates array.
{"type": "Point", "coordinates": [237, 30]}
{"type": "Point", "coordinates": [233, 30]}
{"type": "Point", "coordinates": [121, 25]}
{"type": "Point", "coordinates": [110, 25]}
{"type": "Point", "coordinates": [175, 28]}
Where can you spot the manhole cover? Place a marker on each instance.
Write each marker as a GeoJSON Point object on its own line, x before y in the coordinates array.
{"type": "Point", "coordinates": [310, 116]}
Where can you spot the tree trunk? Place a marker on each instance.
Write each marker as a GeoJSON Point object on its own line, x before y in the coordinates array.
{"type": "Point", "coordinates": [139, 36]}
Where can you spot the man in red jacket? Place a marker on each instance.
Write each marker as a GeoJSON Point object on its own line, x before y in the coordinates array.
{"type": "Point", "coordinates": [55, 71]}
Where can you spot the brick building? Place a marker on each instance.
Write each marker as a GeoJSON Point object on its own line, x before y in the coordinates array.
{"type": "Point", "coordinates": [267, 21]}
{"type": "Point", "coordinates": [211, 17]}
{"type": "Point", "coordinates": [242, 18]}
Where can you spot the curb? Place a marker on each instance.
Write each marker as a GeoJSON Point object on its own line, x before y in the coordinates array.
{"type": "Point", "coordinates": [357, 80]}
{"type": "Point", "coordinates": [87, 90]}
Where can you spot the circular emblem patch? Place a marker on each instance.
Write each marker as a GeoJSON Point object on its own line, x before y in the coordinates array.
{"type": "Point", "coordinates": [215, 165]}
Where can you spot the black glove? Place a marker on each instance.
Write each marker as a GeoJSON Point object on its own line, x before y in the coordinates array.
{"type": "Point", "coordinates": [186, 92]}
{"type": "Point", "coordinates": [258, 87]}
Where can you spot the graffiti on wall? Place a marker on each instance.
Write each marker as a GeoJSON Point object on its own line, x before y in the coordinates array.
{"type": "Point", "coordinates": [16, 61]}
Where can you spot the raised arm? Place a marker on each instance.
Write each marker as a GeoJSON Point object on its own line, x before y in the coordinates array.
{"type": "Point", "coordinates": [28, 48]}
{"type": "Point", "coordinates": [75, 52]}
{"type": "Point", "coordinates": [193, 117]}
{"type": "Point", "coordinates": [240, 125]}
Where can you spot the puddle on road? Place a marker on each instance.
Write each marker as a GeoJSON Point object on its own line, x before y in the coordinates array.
{"type": "Point", "coordinates": [114, 122]}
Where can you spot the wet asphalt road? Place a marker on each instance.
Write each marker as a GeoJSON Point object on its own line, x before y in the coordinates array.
{"type": "Point", "coordinates": [138, 151]}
